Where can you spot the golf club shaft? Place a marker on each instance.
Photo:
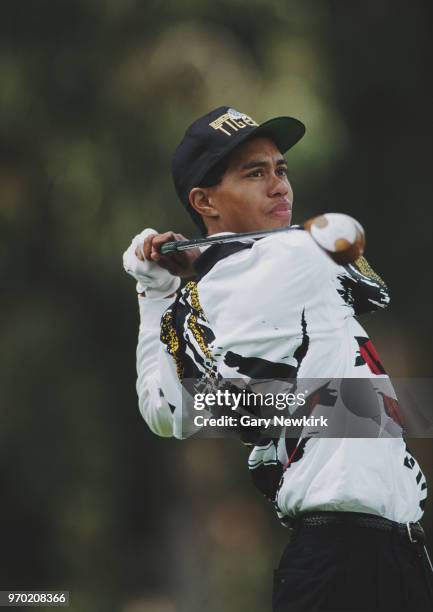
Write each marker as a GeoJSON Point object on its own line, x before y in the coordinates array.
{"type": "Point", "coordinates": [184, 245]}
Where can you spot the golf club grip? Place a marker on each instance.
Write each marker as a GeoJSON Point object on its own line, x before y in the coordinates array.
{"type": "Point", "coordinates": [177, 245]}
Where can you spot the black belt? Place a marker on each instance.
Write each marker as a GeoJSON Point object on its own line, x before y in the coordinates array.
{"type": "Point", "coordinates": [411, 531]}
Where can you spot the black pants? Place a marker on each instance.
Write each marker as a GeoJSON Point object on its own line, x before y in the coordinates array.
{"type": "Point", "coordinates": [351, 568]}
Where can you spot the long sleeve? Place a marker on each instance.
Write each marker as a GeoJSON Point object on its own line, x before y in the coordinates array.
{"type": "Point", "coordinates": [152, 404]}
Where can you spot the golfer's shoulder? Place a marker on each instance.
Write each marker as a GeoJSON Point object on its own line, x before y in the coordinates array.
{"type": "Point", "coordinates": [295, 237]}
{"type": "Point", "coordinates": [263, 258]}
{"type": "Point", "coordinates": [295, 246]}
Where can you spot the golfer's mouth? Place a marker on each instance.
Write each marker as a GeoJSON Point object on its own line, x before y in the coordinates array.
{"type": "Point", "coordinates": [281, 210]}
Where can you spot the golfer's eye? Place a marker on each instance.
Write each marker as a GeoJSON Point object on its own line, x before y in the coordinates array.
{"type": "Point", "coordinates": [258, 172]}
{"type": "Point", "coordinates": [283, 171]}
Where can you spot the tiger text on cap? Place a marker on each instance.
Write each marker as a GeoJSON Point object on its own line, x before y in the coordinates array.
{"type": "Point", "coordinates": [232, 119]}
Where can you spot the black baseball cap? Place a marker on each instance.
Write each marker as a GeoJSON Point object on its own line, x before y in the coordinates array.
{"type": "Point", "coordinates": [212, 137]}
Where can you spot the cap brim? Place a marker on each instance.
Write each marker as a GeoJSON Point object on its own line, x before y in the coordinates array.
{"type": "Point", "coordinates": [284, 131]}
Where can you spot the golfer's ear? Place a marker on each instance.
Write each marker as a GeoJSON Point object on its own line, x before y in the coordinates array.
{"type": "Point", "coordinates": [201, 201]}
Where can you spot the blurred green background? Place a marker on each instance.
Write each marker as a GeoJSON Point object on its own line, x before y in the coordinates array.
{"type": "Point", "coordinates": [94, 96]}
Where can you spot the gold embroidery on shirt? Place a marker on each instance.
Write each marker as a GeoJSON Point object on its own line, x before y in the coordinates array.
{"type": "Point", "coordinates": [364, 267]}
{"type": "Point", "coordinates": [198, 335]}
{"type": "Point", "coordinates": [170, 336]}
{"type": "Point", "coordinates": [171, 340]}
{"type": "Point", "coordinates": [195, 327]}
{"type": "Point", "coordinates": [193, 293]}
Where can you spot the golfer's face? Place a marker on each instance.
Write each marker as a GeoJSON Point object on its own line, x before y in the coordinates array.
{"type": "Point", "coordinates": [255, 192]}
